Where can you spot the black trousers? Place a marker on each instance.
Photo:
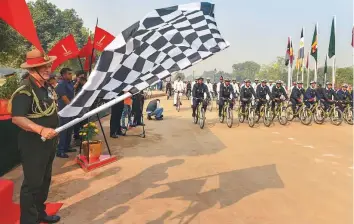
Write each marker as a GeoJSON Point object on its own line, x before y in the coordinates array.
{"type": "Point", "coordinates": [221, 105]}
{"type": "Point", "coordinates": [196, 103]}
{"type": "Point", "coordinates": [261, 102]}
{"type": "Point", "coordinates": [37, 159]}
{"type": "Point", "coordinates": [116, 116]}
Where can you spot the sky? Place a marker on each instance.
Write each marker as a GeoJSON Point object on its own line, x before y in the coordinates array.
{"type": "Point", "coordinates": [256, 29]}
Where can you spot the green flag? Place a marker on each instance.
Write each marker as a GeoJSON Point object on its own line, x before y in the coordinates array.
{"type": "Point", "coordinates": [332, 42]}
{"type": "Point", "coordinates": [325, 67]}
{"type": "Point", "coordinates": [314, 45]}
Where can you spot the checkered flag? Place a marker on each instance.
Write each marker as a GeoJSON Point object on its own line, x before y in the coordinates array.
{"type": "Point", "coordinates": [167, 40]}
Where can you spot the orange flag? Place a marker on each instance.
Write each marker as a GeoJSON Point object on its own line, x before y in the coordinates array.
{"type": "Point", "coordinates": [17, 15]}
{"type": "Point", "coordinates": [102, 39]}
{"type": "Point", "coordinates": [65, 49]}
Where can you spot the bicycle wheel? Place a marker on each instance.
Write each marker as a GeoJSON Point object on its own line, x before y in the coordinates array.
{"type": "Point", "coordinates": [257, 115]}
{"type": "Point", "coordinates": [229, 117]}
{"type": "Point", "coordinates": [319, 115]}
{"type": "Point", "coordinates": [221, 119]}
{"type": "Point", "coordinates": [336, 117]}
{"type": "Point", "coordinates": [251, 117]}
{"type": "Point", "coordinates": [305, 116]}
{"type": "Point", "coordinates": [195, 118]}
{"type": "Point", "coordinates": [178, 105]}
{"type": "Point", "coordinates": [267, 117]}
{"type": "Point", "coordinates": [289, 113]}
{"type": "Point", "coordinates": [282, 116]}
{"type": "Point", "coordinates": [202, 118]}
{"type": "Point", "coordinates": [348, 115]}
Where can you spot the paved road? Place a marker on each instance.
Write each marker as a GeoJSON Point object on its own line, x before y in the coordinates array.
{"type": "Point", "coordinates": [181, 174]}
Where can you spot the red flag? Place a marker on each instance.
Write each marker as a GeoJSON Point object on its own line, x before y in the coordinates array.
{"type": "Point", "coordinates": [102, 39]}
{"type": "Point", "coordinates": [17, 15]}
{"type": "Point", "coordinates": [87, 63]}
{"type": "Point", "coordinates": [65, 49]}
{"type": "Point", "coordinates": [86, 50]}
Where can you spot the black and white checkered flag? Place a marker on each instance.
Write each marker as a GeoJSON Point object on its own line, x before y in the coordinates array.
{"type": "Point", "coordinates": [167, 40]}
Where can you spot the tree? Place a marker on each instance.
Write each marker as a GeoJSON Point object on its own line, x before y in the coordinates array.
{"type": "Point", "coordinates": [276, 70]}
{"type": "Point", "coordinates": [344, 75]}
{"type": "Point", "coordinates": [245, 70]}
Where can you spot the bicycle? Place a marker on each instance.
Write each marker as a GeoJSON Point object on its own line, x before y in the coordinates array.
{"type": "Point", "coordinates": [200, 114]}
{"type": "Point", "coordinates": [318, 113]}
{"type": "Point", "coordinates": [210, 105]}
{"type": "Point", "coordinates": [266, 113]}
{"type": "Point", "coordinates": [348, 112]}
{"type": "Point", "coordinates": [178, 103]}
{"type": "Point", "coordinates": [227, 113]}
{"type": "Point", "coordinates": [249, 114]}
{"type": "Point", "coordinates": [301, 111]}
{"type": "Point", "coordinates": [188, 94]}
{"type": "Point", "coordinates": [169, 93]}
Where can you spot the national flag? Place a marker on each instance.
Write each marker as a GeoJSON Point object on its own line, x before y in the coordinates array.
{"type": "Point", "coordinates": [102, 39]}
{"type": "Point", "coordinates": [302, 45]}
{"type": "Point", "coordinates": [291, 53]}
{"type": "Point", "coordinates": [65, 49]}
{"type": "Point", "coordinates": [17, 15]}
{"type": "Point", "coordinates": [314, 45]}
{"type": "Point", "coordinates": [325, 67]}
{"type": "Point", "coordinates": [86, 50]}
{"type": "Point", "coordinates": [167, 40]}
{"type": "Point", "coordinates": [289, 56]}
{"type": "Point", "coordinates": [332, 42]}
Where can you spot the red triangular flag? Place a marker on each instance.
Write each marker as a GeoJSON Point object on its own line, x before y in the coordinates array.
{"type": "Point", "coordinates": [86, 50]}
{"type": "Point", "coordinates": [87, 63]}
{"type": "Point", "coordinates": [17, 15]}
{"type": "Point", "coordinates": [65, 49]}
{"type": "Point", "coordinates": [102, 39]}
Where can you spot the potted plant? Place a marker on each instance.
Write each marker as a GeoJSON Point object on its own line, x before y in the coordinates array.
{"type": "Point", "coordinates": [11, 84]}
{"type": "Point", "coordinates": [91, 148]}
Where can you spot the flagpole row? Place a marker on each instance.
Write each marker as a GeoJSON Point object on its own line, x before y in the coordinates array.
{"type": "Point", "coordinates": [334, 56]}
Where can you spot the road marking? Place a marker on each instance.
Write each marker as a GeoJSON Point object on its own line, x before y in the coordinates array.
{"type": "Point", "coordinates": [309, 146]}
{"type": "Point", "coordinates": [331, 155]}
{"type": "Point", "coordinates": [351, 167]}
{"type": "Point", "coordinates": [277, 133]}
{"type": "Point", "coordinates": [291, 139]}
{"type": "Point", "coordinates": [319, 160]}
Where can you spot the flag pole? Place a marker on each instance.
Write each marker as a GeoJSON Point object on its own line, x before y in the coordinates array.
{"type": "Point", "coordinates": [78, 58]}
{"type": "Point", "coordinates": [93, 50]}
{"type": "Point", "coordinates": [302, 60]}
{"type": "Point", "coordinates": [315, 78]}
{"type": "Point", "coordinates": [334, 56]}
{"type": "Point", "coordinates": [289, 68]}
{"type": "Point", "coordinates": [308, 70]}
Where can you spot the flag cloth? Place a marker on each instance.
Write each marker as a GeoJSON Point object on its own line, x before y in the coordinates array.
{"type": "Point", "coordinates": [17, 15]}
{"type": "Point", "coordinates": [353, 37]}
{"type": "Point", "coordinates": [65, 49]}
{"type": "Point", "coordinates": [289, 56]}
{"type": "Point", "coordinates": [167, 40]}
{"type": "Point", "coordinates": [86, 50]}
{"type": "Point", "coordinates": [325, 67]}
{"type": "Point", "coordinates": [332, 42]}
{"type": "Point", "coordinates": [291, 53]}
{"type": "Point", "coordinates": [314, 45]}
{"type": "Point", "coordinates": [102, 39]}
{"type": "Point", "coordinates": [301, 54]}
{"type": "Point", "coordinates": [87, 62]}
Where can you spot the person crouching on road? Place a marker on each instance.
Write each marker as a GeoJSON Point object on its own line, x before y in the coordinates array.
{"type": "Point", "coordinates": [154, 109]}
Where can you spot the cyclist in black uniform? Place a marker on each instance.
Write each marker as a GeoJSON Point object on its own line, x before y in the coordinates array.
{"type": "Point", "coordinates": [295, 96]}
{"type": "Point", "coordinates": [226, 90]}
{"type": "Point", "coordinates": [261, 93]}
{"type": "Point", "coordinates": [169, 88]}
{"type": "Point", "coordinates": [277, 92]}
{"type": "Point", "coordinates": [246, 94]}
{"type": "Point", "coordinates": [329, 96]}
{"type": "Point", "coordinates": [189, 88]}
{"type": "Point", "coordinates": [198, 95]}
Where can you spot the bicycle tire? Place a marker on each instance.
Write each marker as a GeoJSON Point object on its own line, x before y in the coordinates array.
{"type": "Point", "coordinates": [195, 118]}
{"type": "Point", "coordinates": [229, 117]}
{"type": "Point", "coordinates": [348, 116]}
{"type": "Point", "coordinates": [306, 116]}
{"type": "Point", "coordinates": [334, 120]}
{"type": "Point", "coordinates": [221, 119]}
{"type": "Point", "coordinates": [289, 113]}
{"type": "Point", "coordinates": [251, 121]}
{"type": "Point", "coordinates": [202, 118]}
{"type": "Point", "coordinates": [319, 115]}
{"type": "Point", "coordinates": [283, 120]}
{"type": "Point", "coordinates": [267, 118]}
{"type": "Point", "coordinates": [258, 116]}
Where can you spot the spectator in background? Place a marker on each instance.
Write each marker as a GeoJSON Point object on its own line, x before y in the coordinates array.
{"type": "Point", "coordinates": [53, 81]}
{"type": "Point", "coordinates": [77, 85]}
{"type": "Point", "coordinates": [116, 116]}
{"type": "Point", "coordinates": [137, 108]}
{"type": "Point", "coordinates": [127, 112]}
{"type": "Point", "coordinates": [154, 109]}
{"type": "Point", "coordinates": [65, 91]}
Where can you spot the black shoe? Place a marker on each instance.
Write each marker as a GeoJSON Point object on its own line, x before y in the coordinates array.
{"type": "Point", "coordinates": [50, 219]}
{"type": "Point", "coordinates": [71, 150]}
{"type": "Point", "coordinates": [62, 155]}
{"type": "Point", "coordinates": [114, 136]}
{"type": "Point", "coordinates": [159, 118]}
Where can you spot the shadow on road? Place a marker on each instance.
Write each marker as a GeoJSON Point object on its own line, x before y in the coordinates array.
{"type": "Point", "coordinates": [233, 187]}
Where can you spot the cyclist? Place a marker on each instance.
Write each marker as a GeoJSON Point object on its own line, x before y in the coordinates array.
{"type": "Point", "coordinates": [320, 92]}
{"type": "Point", "coordinates": [295, 96]}
{"type": "Point", "coordinates": [310, 94]}
{"type": "Point", "coordinates": [195, 82]}
{"type": "Point", "coordinates": [262, 92]}
{"type": "Point", "coordinates": [215, 85]}
{"type": "Point", "coordinates": [210, 87]}
{"type": "Point", "coordinates": [199, 89]}
{"type": "Point", "coordinates": [189, 88]}
{"type": "Point", "coordinates": [246, 94]}
{"type": "Point", "coordinates": [255, 84]}
{"type": "Point", "coordinates": [344, 96]}
{"type": "Point", "coordinates": [329, 96]}
{"type": "Point", "coordinates": [235, 87]}
{"type": "Point", "coordinates": [226, 90]}
{"type": "Point", "coordinates": [218, 87]}
{"type": "Point", "coordinates": [278, 92]}
{"type": "Point", "coordinates": [178, 87]}
{"type": "Point", "coordinates": [169, 88]}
